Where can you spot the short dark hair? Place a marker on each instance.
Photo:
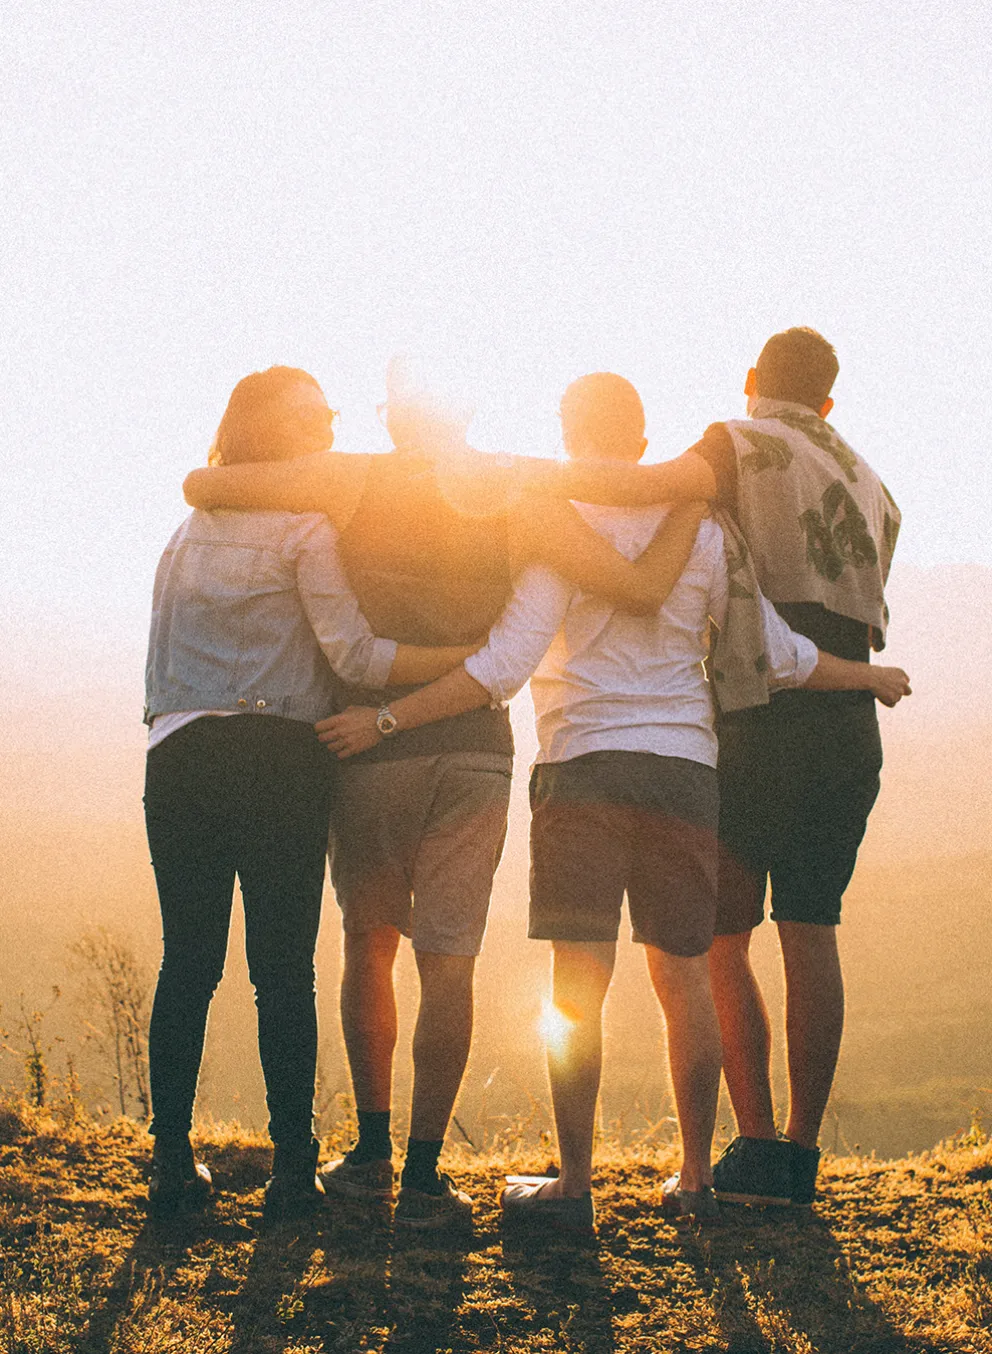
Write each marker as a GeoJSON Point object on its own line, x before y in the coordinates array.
{"type": "Point", "coordinates": [250, 429]}
{"type": "Point", "coordinates": [604, 408]}
{"type": "Point", "coordinates": [798, 365]}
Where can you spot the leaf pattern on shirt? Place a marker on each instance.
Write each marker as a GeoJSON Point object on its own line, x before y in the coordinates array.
{"type": "Point", "coordinates": [738, 573]}
{"type": "Point", "coordinates": [838, 535]}
{"type": "Point", "coordinates": [770, 453]}
{"type": "Point", "coordinates": [890, 533]}
{"type": "Point", "coordinates": [823, 436]}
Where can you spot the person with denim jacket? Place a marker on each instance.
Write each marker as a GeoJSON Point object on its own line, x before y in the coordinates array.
{"type": "Point", "coordinates": [251, 613]}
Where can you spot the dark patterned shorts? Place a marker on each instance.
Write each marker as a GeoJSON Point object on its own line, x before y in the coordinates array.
{"type": "Point", "coordinates": [614, 822]}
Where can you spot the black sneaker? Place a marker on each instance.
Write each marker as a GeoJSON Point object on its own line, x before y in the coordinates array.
{"type": "Point", "coordinates": [370, 1180]}
{"type": "Point", "coordinates": [755, 1171]}
{"type": "Point", "coordinates": [450, 1208]}
{"type": "Point", "coordinates": [179, 1183]}
{"type": "Point", "coordinates": [294, 1188]}
{"type": "Point", "coordinates": [804, 1162]}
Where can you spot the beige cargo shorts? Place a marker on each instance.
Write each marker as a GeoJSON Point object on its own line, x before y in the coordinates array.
{"type": "Point", "coordinates": [415, 843]}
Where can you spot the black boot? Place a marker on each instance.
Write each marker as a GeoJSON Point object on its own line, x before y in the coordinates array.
{"type": "Point", "coordinates": [179, 1183]}
{"type": "Point", "coordinates": [294, 1188]}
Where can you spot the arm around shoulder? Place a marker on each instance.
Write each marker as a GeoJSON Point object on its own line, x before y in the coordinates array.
{"type": "Point", "coordinates": [619, 484]}
{"type": "Point", "coordinates": [553, 534]}
{"type": "Point", "coordinates": [329, 482]}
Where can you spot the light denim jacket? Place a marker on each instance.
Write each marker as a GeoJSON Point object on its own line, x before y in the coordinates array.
{"type": "Point", "coordinates": [249, 609]}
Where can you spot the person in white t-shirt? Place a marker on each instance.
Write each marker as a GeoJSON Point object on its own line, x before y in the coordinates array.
{"type": "Point", "coordinates": [624, 799]}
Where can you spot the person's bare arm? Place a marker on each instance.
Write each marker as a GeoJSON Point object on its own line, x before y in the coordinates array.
{"type": "Point", "coordinates": [831, 673]}
{"type": "Point", "coordinates": [329, 481]}
{"type": "Point", "coordinates": [515, 645]}
{"type": "Point", "coordinates": [415, 663]}
{"type": "Point", "coordinates": [354, 730]}
{"type": "Point", "coordinates": [554, 534]}
{"type": "Point", "coordinates": [617, 483]}
{"type": "Point", "coordinates": [793, 660]}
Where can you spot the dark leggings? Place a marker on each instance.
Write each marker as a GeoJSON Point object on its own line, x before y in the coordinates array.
{"type": "Point", "coordinates": [246, 796]}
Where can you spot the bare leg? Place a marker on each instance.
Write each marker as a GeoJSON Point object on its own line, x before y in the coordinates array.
{"type": "Point", "coordinates": [368, 1014]}
{"type": "Point", "coordinates": [814, 1022]}
{"type": "Point", "coordinates": [582, 973]}
{"type": "Point", "coordinates": [683, 988]}
{"type": "Point", "coordinates": [747, 1039]}
{"type": "Point", "coordinates": [441, 1040]}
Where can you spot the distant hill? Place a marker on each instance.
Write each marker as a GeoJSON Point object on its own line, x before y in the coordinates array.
{"type": "Point", "coordinates": [896, 1258]}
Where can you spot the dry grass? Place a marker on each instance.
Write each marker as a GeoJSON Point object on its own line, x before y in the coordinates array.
{"type": "Point", "coordinates": [896, 1257]}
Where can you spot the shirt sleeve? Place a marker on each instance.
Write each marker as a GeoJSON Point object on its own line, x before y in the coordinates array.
{"type": "Point", "coordinates": [791, 657]}
{"type": "Point", "coordinates": [717, 449]}
{"type": "Point", "coordinates": [345, 636]}
{"type": "Point", "coordinates": [521, 637]}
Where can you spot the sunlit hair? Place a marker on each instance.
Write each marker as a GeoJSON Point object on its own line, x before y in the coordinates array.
{"type": "Point", "coordinates": [604, 410]}
{"type": "Point", "coordinates": [254, 424]}
{"type": "Point", "coordinates": [422, 407]}
{"type": "Point", "coordinates": [797, 365]}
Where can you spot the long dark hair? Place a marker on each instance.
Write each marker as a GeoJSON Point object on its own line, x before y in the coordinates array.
{"type": "Point", "coordinates": [253, 426]}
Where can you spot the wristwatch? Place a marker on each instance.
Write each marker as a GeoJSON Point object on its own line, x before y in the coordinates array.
{"type": "Point", "coordinates": [386, 721]}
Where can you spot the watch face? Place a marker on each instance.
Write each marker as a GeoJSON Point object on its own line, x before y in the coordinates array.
{"type": "Point", "coordinates": [386, 722]}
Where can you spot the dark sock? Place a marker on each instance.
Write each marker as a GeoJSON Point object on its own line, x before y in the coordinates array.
{"type": "Point", "coordinates": [173, 1151]}
{"type": "Point", "coordinates": [374, 1142]}
{"type": "Point", "coordinates": [420, 1171]}
{"type": "Point", "coordinates": [174, 1159]}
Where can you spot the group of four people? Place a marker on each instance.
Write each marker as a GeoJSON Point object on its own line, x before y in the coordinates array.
{"type": "Point", "coordinates": [387, 607]}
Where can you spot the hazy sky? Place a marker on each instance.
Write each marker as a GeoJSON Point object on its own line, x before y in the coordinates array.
{"type": "Point", "coordinates": [529, 189]}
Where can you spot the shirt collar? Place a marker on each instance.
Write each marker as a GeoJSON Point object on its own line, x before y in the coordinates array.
{"type": "Point", "coordinates": [765, 407]}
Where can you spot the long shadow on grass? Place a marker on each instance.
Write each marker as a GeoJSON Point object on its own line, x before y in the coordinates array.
{"type": "Point", "coordinates": [344, 1279]}
{"type": "Point", "coordinates": [428, 1279]}
{"type": "Point", "coordinates": [767, 1275]}
{"type": "Point", "coordinates": [323, 1277]}
{"type": "Point", "coordinates": [563, 1280]}
{"type": "Point", "coordinates": [145, 1272]}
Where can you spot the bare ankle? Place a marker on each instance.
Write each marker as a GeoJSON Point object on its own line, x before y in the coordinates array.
{"type": "Point", "coordinates": [802, 1138]}
{"type": "Point", "coordinates": [763, 1130]}
{"type": "Point", "coordinates": [570, 1185]}
{"type": "Point", "coordinates": [694, 1178]}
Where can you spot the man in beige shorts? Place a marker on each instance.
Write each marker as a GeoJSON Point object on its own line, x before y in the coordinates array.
{"type": "Point", "coordinates": [431, 535]}
{"type": "Point", "coordinates": [420, 818]}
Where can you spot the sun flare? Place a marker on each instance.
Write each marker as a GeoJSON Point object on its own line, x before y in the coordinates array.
{"type": "Point", "coordinates": [555, 1027]}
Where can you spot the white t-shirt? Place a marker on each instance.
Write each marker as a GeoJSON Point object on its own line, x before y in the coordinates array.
{"type": "Point", "coordinates": [606, 680]}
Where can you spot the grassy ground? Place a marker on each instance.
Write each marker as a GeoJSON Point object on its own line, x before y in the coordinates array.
{"type": "Point", "coordinates": [896, 1257]}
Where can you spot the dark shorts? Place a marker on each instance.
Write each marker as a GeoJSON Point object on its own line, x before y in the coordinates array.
{"type": "Point", "coordinates": [797, 785]}
{"type": "Point", "coordinates": [614, 822]}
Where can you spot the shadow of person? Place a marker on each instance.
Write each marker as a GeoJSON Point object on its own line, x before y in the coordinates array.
{"type": "Point", "coordinates": [428, 1282]}
{"type": "Point", "coordinates": [346, 1279]}
{"type": "Point", "coordinates": [781, 1279]}
{"type": "Point", "coordinates": [561, 1278]}
{"type": "Point", "coordinates": [271, 1298]}
{"type": "Point", "coordinates": [146, 1271]}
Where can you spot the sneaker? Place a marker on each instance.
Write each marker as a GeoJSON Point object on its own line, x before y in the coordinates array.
{"type": "Point", "coordinates": [178, 1183]}
{"type": "Point", "coordinates": [804, 1162]}
{"type": "Point", "coordinates": [294, 1189]}
{"type": "Point", "coordinates": [524, 1204]}
{"type": "Point", "coordinates": [754, 1171]}
{"type": "Point", "coordinates": [423, 1212]}
{"type": "Point", "coordinates": [358, 1179]}
{"type": "Point", "coordinates": [678, 1204]}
